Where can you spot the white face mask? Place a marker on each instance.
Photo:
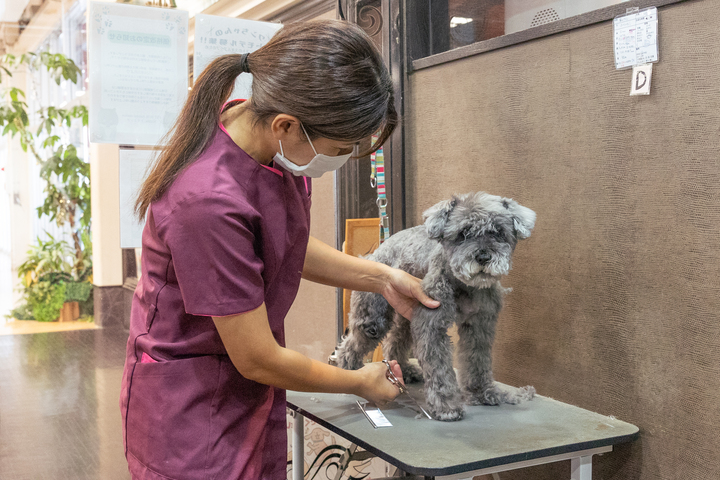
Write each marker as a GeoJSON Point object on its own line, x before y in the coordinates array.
{"type": "Point", "coordinates": [318, 165]}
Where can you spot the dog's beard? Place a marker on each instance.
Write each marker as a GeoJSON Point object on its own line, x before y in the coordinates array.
{"type": "Point", "coordinates": [499, 265]}
{"type": "Point", "coordinates": [482, 281]}
{"type": "Point", "coordinates": [473, 274]}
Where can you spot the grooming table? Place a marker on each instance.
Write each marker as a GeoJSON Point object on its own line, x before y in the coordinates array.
{"type": "Point", "coordinates": [488, 440]}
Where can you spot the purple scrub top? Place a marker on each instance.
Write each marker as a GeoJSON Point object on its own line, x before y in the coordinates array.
{"type": "Point", "coordinates": [228, 235]}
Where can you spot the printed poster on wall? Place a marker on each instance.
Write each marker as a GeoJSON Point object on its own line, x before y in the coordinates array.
{"type": "Point", "coordinates": [216, 36]}
{"type": "Point", "coordinates": [138, 72]}
{"type": "Point", "coordinates": [133, 170]}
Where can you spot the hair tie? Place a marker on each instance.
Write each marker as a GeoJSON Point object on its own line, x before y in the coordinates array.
{"type": "Point", "coordinates": [244, 63]}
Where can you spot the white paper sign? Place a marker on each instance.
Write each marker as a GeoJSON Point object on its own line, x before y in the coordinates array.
{"type": "Point", "coordinates": [636, 38]}
{"type": "Point", "coordinates": [642, 75]}
{"type": "Point", "coordinates": [216, 36]}
{"type": "Point", "coordinates": [138, 72]}
{"type": "Point", "coordinates": [133, 170]}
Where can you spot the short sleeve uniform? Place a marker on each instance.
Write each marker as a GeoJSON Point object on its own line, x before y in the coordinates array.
{"type": "Point", "coordinates": [228, 235]}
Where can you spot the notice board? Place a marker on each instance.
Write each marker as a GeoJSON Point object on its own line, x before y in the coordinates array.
{"type": "Point", "coordinates": [138, 72]}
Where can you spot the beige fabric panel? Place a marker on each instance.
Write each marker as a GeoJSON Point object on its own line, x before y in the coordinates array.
{"type": "Point", "coordinates": [311, 323]}
{"type": "Point", "coordinates": [616, 301]}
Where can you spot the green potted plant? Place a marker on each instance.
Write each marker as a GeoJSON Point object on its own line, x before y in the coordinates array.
{"type": "Point", "coordinates": [77, 294]}
{"type": "Point", "coordinates": [46, 300]}
{"type": "Point", "coordinates": [67, 191]}
{"type": "Point", "coordinates": [44, 275]}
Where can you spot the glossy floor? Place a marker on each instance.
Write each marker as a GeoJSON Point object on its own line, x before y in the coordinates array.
{"type": "Point", "coordinates": [59, 413]}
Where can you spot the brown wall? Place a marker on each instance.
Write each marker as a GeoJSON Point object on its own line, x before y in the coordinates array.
{"type": "Point", "coordinates": [311, 323]}
{"type": "Point", "coordinates": [616, 301]}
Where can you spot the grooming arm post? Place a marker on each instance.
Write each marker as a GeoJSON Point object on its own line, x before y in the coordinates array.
{"type": "Point", "coordinates": [298, 447]}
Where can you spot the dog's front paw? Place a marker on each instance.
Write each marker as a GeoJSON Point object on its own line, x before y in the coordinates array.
{"type": "Point", "coordinates": [412, 373]}
{"type": "Point", "coordinates": [445, 408]}
{"type": "Point", "coordinates": [497, 396]}
{"type": "Point", "coordinates": [449, 413]}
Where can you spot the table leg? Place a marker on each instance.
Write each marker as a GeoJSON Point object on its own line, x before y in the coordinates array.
{"type": "Point", "coordinates": [298, 447]}
{"type": "Point", "coordinates": [581, 468]}
{"type": "Point", "coordinates": [580, 462]}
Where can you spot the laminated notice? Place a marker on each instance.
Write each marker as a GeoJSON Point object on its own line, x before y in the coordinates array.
{"type": "Point", "coordinates": [635, 37]}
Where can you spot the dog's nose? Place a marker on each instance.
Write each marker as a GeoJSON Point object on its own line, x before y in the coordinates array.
{"type": "Point", "coordinates": [483, 257]}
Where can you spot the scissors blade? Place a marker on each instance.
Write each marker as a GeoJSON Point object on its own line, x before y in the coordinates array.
{"type": "Point", "coordinates": [418, 405]}
{"type": "Point", "coordinates": [403, 389]}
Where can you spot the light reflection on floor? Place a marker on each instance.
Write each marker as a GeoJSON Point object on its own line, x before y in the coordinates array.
{"type": "Point", "coordinates": [28, 327]}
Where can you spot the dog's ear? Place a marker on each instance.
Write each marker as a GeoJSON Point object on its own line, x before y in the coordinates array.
{"type": "Point", "coordinates": [436, 217]}
{"type": "Point", "coordinates": [523, 220]}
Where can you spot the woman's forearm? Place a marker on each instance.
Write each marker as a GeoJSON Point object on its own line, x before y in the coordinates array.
{"type": "Point", "coordinates": [253, 350]}
{"type": "Point", "coordinates": [324, 264]}
{"type": "Point", "coordinates": [291, 370]}
{"type": "Point", "coordinates": [257, 356]}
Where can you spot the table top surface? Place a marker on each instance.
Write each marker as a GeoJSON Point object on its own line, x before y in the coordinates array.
{"type": "Point", "coordinates": [488, 436]}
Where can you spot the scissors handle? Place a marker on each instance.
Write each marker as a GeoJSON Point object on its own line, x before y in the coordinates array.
{"type": "Point", "coordinates": [393, 379]}
{"type": "Point", "coordinates": [401, 386]}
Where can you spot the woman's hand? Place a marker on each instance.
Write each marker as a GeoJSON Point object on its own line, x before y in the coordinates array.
{"type": "Point", "coordinates": [403, 292]}
{"type": "Point", "coordinates": [376, 386]}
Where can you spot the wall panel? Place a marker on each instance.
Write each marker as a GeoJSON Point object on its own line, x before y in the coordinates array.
{"type": "Point", "coordinates": [616, 302]}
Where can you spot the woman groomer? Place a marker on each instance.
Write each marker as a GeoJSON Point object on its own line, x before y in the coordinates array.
{"type": "Point", "coordinates": [225, 245]}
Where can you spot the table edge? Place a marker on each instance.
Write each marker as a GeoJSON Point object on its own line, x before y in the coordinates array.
{"type": "Point", "coordinates": [467, 467]}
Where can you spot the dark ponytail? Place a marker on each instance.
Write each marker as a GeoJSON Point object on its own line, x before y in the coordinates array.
{"type": "Point", "coordinates": [326, 73]}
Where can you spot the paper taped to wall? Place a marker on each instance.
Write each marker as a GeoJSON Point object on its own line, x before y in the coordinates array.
{"type": "Point", "coordinates": [636, 38]}
{"type": "Point", "coordinates": [216, 36]}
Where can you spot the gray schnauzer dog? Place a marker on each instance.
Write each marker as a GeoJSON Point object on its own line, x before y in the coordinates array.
{"type": "Point", "coordinates": [461, 251]}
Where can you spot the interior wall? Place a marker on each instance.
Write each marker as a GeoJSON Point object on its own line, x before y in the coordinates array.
{"type": "Point", "coordinates": [6, 271]}
{"type": "Point", "coordinates": [311, 323]}
{"type": "Point", "coordinates": [616, 301]}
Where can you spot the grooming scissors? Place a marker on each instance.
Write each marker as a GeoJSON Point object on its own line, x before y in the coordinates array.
{"type": "Point", "coordinates": [401, 386]}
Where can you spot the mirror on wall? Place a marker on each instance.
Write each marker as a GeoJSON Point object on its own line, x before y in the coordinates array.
{"type": "Point", "coordinates": [437, 26]}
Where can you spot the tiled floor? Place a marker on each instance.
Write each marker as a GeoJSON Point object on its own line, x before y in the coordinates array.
{"type": "Point", "coordinates": [59, 413]}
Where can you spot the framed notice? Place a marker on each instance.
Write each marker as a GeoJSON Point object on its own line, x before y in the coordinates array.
{"type": "Point", "coordinates": [216, 36]}
{"type": "Point", "coordinates": [138, 72]}
{"type": "Point", "coordinates": [133, 171]}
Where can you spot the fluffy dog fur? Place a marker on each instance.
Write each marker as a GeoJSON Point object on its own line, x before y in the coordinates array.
{"type": "Point", "coordinates": [461, 252]}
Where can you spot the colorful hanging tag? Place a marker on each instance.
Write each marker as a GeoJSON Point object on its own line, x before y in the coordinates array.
{"type": "Point", "coordinates": [377, 160]}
